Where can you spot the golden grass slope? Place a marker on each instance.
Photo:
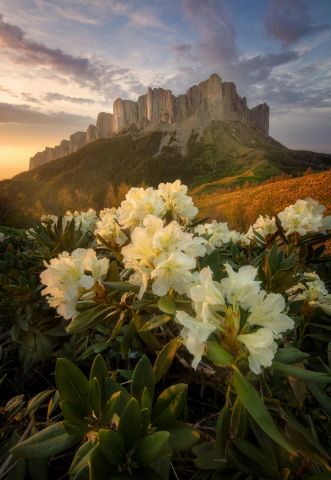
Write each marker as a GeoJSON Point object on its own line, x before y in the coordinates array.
{"type": "Point", "coordinates": [240, 208]}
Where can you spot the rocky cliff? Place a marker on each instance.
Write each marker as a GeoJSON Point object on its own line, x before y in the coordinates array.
{"type": "Point", "coordinates": [159, 109]}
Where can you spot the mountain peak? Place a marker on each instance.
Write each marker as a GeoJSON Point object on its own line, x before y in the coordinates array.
{"type": "Point", "coordinates": [159, 109]}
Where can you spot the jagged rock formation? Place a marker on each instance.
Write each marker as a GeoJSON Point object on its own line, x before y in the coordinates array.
{"type": "Point", "coordinates": [158, 109]}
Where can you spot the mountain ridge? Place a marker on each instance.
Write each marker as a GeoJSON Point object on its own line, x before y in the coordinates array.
{"type": "Point", "coordinates": [159, 109]}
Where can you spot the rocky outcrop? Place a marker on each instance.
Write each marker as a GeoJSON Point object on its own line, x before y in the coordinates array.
{"type": "Point", "coordinates": [210, 100]}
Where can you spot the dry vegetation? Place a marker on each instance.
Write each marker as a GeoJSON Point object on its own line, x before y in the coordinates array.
{"type": "Point", "coordinates": [241, 207]}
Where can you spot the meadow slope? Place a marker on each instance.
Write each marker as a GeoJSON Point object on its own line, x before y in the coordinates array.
{"type": "Point", "coordinates": [241, 207]}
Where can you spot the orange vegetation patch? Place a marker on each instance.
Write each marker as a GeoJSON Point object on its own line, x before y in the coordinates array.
{"type": "Point", "coordinates": [241, 208]}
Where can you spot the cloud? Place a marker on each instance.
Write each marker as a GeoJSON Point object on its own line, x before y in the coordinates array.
{"type": "Point", "coordinates": [54, 97]}
{"type": "Point", "coordinates": [10, 113]}
{"type": "Point", "coordinates": [96, 75]}
{"type": "Point", "coordinates": [215, 48]}
{"type": "Point", "coordinates": [29, 98]}
{"type": "Point", "coordinates": [289, 21]}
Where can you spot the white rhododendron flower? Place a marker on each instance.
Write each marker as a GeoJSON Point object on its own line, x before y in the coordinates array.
{"type": "Point", "coordinates": [261, 347]}
{"type": "Point", "coordinates": [195, 333]}
{"type": "Point", "coordinates": [84, 220]}
{"type": "Point", "coordinates": [241, 287]}
{"type": "Point", "coordinates": [305, 216]}
{"type": "Point", "coordinates": [264, 226]}
{"type": "Point", "coordinates": [138, 203]}
{"type": "Point", "coordinates": [312, 290]}
{"type": "Point", "coordinates": [177, 201]}
{"type": "Point", "coordinates": [234, 308]}
{"type": "Point", "coordinates": [164, 254]}
{"type": "Point", "coordinates": [108, 228]}
{"type": "Point", "coordinates": [68, 277]}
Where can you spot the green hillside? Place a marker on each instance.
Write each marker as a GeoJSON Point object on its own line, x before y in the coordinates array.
{"type": "Point", "coordinates": [229, 151]}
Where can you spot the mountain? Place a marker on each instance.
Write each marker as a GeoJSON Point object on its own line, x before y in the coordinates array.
{"type": "Point", "coordinates": [159, 109]}
{"type": "Point", "coordinates": [219, 144]}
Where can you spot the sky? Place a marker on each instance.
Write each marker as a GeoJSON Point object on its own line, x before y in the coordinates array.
{"type": "Point", "coordinates": [64, 61]}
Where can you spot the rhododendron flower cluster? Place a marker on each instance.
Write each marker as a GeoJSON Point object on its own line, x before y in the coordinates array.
{"type": "Point", "coordinates": [68, 277]}
{"type": "Point", "coordinates": [162, 253]}
{"type": "Point", "coordinates": [264, 226]}
{"type": "Point", "coordinates": [305, 216]}
{"type": "Point", "coordinates": [312, 290]}
{"type": "Point", "coordinates": [108, 228]}
{"type": "Point", "coordinates": [217, 234]}
{"type": "Point", "coordinates": [169, 198]}
{"type": "Point", "coordinates": [85, 220]}
{"type": "Point", "coordinates": [245, 318]}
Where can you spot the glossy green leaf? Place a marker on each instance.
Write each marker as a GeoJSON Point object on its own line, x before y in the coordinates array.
{"type": "Point", "coordinates": [155, 322]}
{"type": "Point", "coordinates": [112, 447]}
{"type": "Point", "coordinates": [36, 401]}
{"type": "Point", "coordinates": [169, 405]}
{"type": "Point", "coordinates": [302, 373]}
{"type": "Point", "coordinates": [165, 358]}
{"type": "Point", "coordinates": [87, 318]}
{"type": "Point", "coordinates": [238, 423]}
{"type": "Point", "coordinates": [46, 443]}
{"type": "Point", "coordinates": [130, 423]}
{"type": "Point", "coordinates": [149, 448]}
{"type": "Point", "coordinates": [182, 436]}
{"type": "Point", "coordinates": [218, 355]}
{"type": "Point", "coordinates": [142, 378]}
{"type": "Point", "coordinates": [290, 355]}
{"type": "Point", "coordinates": [81, 457]}
{"type": "Point", "coordinates": [256, 408]}
{"type": "Point", "coordinates": [72, 384]}
{"type": "Point", "coordinates": [167, 305]}
{"type": "Point", "coordinates": [223, 429]}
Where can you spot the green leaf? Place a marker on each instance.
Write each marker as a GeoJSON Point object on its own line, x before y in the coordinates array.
{"type": "Point", "coordinates": [99, 467]}
{"type": "Point", "coordinates": [112, 447]}
{"type": "Point", "coordinates": [72, 384]}
{"type": "Point", "coordinates": [155, 322]}
{"type": "Point", "coordinates": [149, 448]}
{"type": "Point", "coordinates": [256, 408]}
{"type": "Point", "coordinates": [142, 378]}
{"type": "Point", "coordinates": [113, 273]}
{"type": "Point", "coordinates": [99, 369]}
{"type": "Point", "coordinates": [46, 443]}
{"type": "Point", "coordinates": [223, 429]}
{"type": "Point", "coordinates": [81, 457]}
{"type": "Point", "coordinates": [121, 286]}
{"type": "Point", "coordinates": [36, 401]}
{"type": "Point", "coordinates": [167, 305]}
{"type": "Point", "coordinates": [290, 355]}
{"type": "Point", "coordinates": [95, 397]}
{"type": "Point", "coordinates": [182, 436]}
{"type": "Point", "coordinates": [238, 424]}
{"type": "Point", "coordinates": [208, 456]}
{"type": "Point", "coordinates": [74, 421]}
{"type": "Point", "coordinates": [258, 457]}
{"type": "Point", "coordinates": [165, 358]}
{"type": "Point", "coordinates": [169, 405]}
{"type": "Point", "coordinates": [130, 423]}
{"type": "Point", "coordinates": [302, 373]}
{"type": "Point", "coordinates": [111, 406]}
{"type": "Point", "coordinates": [323, 399]}
{"type": "Point", "coordinates": [218, 355]}
{"type": "Point", "coordinates": [86, 319]}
